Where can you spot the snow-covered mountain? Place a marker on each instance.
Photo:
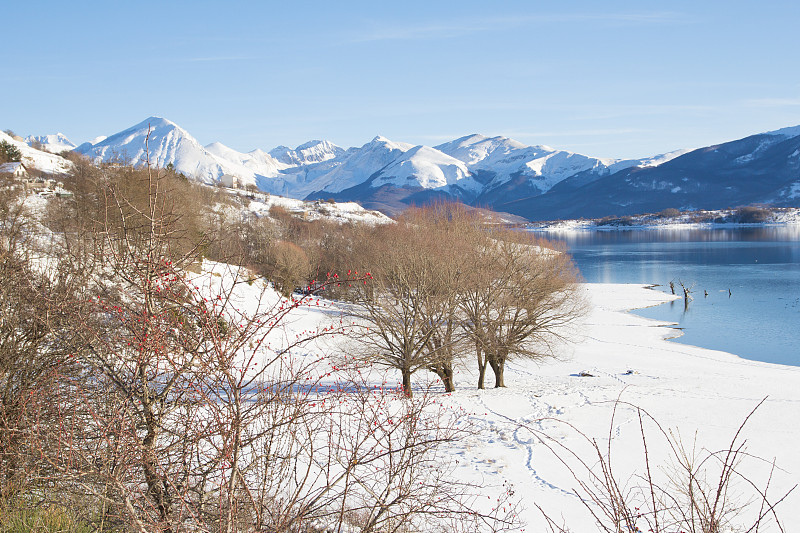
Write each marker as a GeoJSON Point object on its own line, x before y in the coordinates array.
{"type": "Point", "coordinates": [169, 143]}
{"type": "Point", "coordinates": [498, 172]}
{"type": "Point", "coordinates": [759, 169]}
{"type": "Point", "coordinates": [381, 164]}
{"type": "Point", "coordinates": [38, 159]}
{"type": "Point", "coordinates": [54, 143]}
{"type": "Point", "coordinates": [470, 168]}
{"type": "Point", "coordinates": [500, 160]}
{"type": "Point", "coordinates": [258, 161]}
{"type": "Point", "coordinates": [427, 168]}
{"type": "Point", "coordinates": [307, 154]}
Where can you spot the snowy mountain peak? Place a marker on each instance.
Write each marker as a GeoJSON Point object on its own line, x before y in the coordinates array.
{"type": "Point", "coordinates": [307, 153]}
{"type": "Point", "coordinates": [426, 167]}
{"type": "Point", "coordinates": [791, 131]}
{"type": "Point", "coordinates": [53, 143]}
{"type": "Point", "coordinates": [313, 144]}
{"type": "Point", "coordinates": [156, 122]}
{"type": "Point", "coordinates": [169, 143]}
{"type": "Point", "coordinates": [473, 149]}
{"type": "Point", "coordinates": [382, 142]}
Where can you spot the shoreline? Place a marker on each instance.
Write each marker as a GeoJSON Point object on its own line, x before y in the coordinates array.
{"type": "Point", "coordinates": [699, 393]}
{"type": "Point", "coordinates": [588, 225]}
{"type": "Point", "coordinates": [716, 219]}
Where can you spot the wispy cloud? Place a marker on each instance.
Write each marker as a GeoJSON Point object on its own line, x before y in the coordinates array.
{"type": "Point", "coordinates": [580, 133]}
{"type": "Point", "coordinates": [608, 112]}
{"type": "Point", "coordinates": [217, 59]}
{"type": "Point", "coordinates": [425, 31]}
{"type": "Point", "coordinates": [773, 102]}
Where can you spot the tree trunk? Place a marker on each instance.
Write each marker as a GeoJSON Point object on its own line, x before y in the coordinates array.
{"type": "Point", "coordinates": [498, 365]}
{"type": "Point", "coordinates": [481, 369]}
{"type": "Point", "coordinates": [157, 488]}
{"type": "Point", "coordinates": [445, 373]}
{"type": "Point", "coordinates": [407, 382]}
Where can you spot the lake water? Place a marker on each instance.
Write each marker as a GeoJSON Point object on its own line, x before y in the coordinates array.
{"type": "Point", "coordinates": [759, 319]}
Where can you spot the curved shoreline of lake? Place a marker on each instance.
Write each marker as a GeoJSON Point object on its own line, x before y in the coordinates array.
{"type": "Point", "coordinates": [744, 281]}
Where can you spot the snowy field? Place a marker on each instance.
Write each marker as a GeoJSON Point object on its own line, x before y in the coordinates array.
{"type": "Point", "coordinates": [701, 395]}
{"type": "Point", "coordinates": [616, 363]}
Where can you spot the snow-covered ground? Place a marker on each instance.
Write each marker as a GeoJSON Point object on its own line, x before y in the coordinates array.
{"type": "Point", "coordinates": [701, 394]}
{"type": "Point", "coordinates": [37, 159]}
{"type": "Point", "coordinates": [698, 396]}
{"type": "Point", "coordinates": [260, 204]}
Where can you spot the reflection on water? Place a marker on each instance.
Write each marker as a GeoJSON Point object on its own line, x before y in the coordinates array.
{"type": "Point", "coordinates": [758, 319]}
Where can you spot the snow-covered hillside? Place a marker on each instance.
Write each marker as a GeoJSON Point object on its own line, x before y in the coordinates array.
{"type": "Point", "coordinates": [169, 143]}
{"type": "Point", "coordinates": [425, 167]}
{"type": "Point", "coordinates": [37, 159]}
{"type": "Point", "coordinates": [653, 161]}
{"type": "Point", "coordinates": [258, 161]}
{"type": "Point", "coordinates": [54, 143]}
{"type": "Point", "coordinates": [261, 203]}
{"type": "Point", "coordinates": [307, 154]}
{"type": "Point", "coordinates": [502, 159]}
{"type": "Point", "coordinates": [380, 162]}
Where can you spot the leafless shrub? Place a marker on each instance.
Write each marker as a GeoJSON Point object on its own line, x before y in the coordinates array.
{"type": "Point", "coordinates": [752, 214]}
{"type": "Point", "coordinates": [670, 212]}
{"type": "Point", "coordinates": [691, 489]}
{"type": "Point", "coordinates": [184, 409]}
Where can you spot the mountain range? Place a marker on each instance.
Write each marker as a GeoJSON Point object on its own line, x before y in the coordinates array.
{"type": "Point", "coordinates": [535, 182]}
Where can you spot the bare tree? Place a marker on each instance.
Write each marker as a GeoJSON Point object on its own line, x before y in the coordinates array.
{"type": "Point", "coordinates": [407, 315]}
{"type": "Point", "coordinates": [518, 299]}
{"type": "Point", "coordinates": [443, 275]}
{"type": "Point", "coordinates": [35, 359]}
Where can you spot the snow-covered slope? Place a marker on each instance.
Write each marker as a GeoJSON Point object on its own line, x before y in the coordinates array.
{"type": "Point", "coordinates": [352, 168]}
{"type": "Point", "coordinates": [37, 159]}
{"type": "Point", "coordinates": [501, 160]}
{"type": "Point", "coordinates": [260, 204]}
{"type": "Point", "coordinates": [169, 143]}
{"type": "Point", "coordinates": [380, 162]}
{"type": "Point", "coordinates": [653, 161]}
{"type": "Point", "coordinates": [426, 167]}
{"type": "Point", "coordinates": [786, 133]}
{"type": "Point", "coordinates": [307, 154]}
{"type": "Point", "coordinates": [54, 143]}
{"type": "Point", "coordinates": [258, 161]}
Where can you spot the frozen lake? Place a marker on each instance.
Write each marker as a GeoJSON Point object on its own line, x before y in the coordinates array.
{"type": "Point", "coordinates": [759, 319]}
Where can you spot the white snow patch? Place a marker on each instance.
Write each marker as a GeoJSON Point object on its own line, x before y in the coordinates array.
{"type": "Point", "coordinates": [791, 131]}
{"type": "Point", "coordinates": [32, 158]}
{"type": "Point", "coordinates": [697, 393]}
{"type": "Point", "coordinates": [54, 143]}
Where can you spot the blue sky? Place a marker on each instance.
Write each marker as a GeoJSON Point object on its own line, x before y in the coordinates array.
{"type": "Point", "coordinates": [607, 79]}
